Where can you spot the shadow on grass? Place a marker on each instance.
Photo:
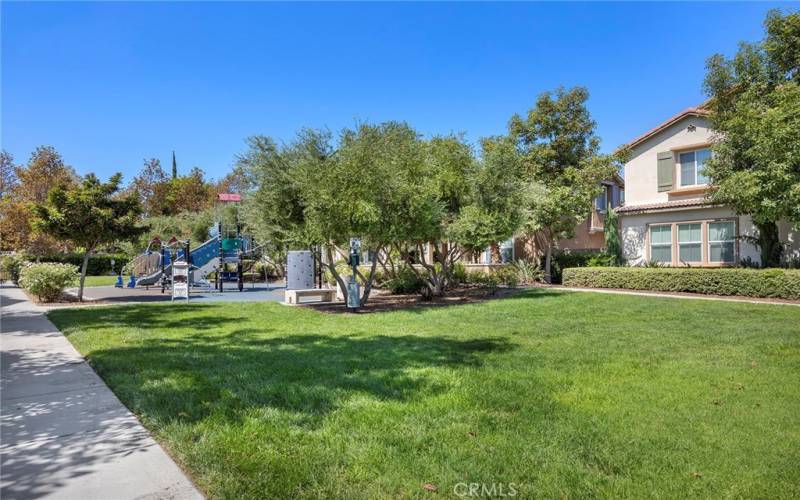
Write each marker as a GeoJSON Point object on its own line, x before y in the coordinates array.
{"type": "Point", "coordinates": [226, 376]}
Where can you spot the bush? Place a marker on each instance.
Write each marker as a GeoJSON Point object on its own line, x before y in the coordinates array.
{"type": "Point", "coordinates": [483, 278]}
{"type": "Point", "coordinates": [527, 272]}
{"type": "Point", "coordinates": [778, 283]}
{"type": "Point", "coordinates": [406, 282]}
{"type": "Point", "coordinates": [458, 275]}
{"type": "Point", "coordinates": [565, 260]}
{"type": "Point", "coordinates": [507, 275]}
{"type": "Point", "coordinates": [48, 280]}
{"type": "Point", "coordinates": [98, 265]}
{"type": "Point", "coordinates": [10, 267]}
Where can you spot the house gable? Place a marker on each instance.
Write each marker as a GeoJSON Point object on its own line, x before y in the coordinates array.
{"type": "Point", "coordinates": [651, 171]}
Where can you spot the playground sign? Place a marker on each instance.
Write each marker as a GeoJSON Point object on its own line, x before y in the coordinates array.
{"type": "Point", "coordinates": [180, 280]}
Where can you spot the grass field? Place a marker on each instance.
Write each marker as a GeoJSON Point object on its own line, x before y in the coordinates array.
{"type": "Point", "coordinates": [101, 280]}
{"type": "Point", "coordinates": [554, 394]}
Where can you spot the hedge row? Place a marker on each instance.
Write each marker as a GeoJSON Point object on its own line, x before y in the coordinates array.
{"type": "Point", "coordinates": [778, 283]}
{"type": "Point", "coordinates": [99, 264]}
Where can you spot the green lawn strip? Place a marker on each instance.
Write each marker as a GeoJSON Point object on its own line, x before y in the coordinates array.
{"type": "Point", "coordinates": [100, 280]}
{"type": "Point", "coordinates": [560, 393]}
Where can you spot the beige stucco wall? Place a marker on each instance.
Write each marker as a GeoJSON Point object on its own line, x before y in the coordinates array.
{"type": "Point", "coordinates": [633, 229]}
{"type": "Point", "coordinates": [641, 182]}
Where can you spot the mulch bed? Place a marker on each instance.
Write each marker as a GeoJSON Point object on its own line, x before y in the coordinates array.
{"type": "Point", "coordinates": [381, 300]}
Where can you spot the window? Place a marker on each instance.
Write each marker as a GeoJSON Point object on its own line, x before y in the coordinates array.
{"type": "Point", "coordinates": [690, 242]}
{"type": "Point", "coordinates": [661, 243]}
{"type": "Point", "coordinates": [692, 167]}
{"type": "Point", "coordinates": [601, 202]}
{"type": "Point", "coordinates": [506, 252]}
{"type": "Point", "coordinates": [721, 239]}
{"type": "Point", "coordinates": [621, 196]}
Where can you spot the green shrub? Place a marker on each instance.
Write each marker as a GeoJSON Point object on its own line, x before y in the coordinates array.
{"type": "Point", "coordinates": [10, 267]}
{"type": "Point", "coordinates": [458, 274]}
{"type": "Point", "coordinates": [48, 280]}
{"type": "Point", "coordinates": [507, 275]}
{"type": "Point", "coordinates": [778, 283]}
{"type": "Point", "coordinates": [567, 259]}
{"type": "Point", "coordinates": [527, 272]}
{"type": "Point", "coordinates": [486, 279]}
{"type": "Point", "coordinates": [98, 265]}
{"type": "Point", "coordinates": [406, 282]}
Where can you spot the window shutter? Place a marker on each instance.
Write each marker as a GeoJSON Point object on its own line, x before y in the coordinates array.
{"type": "Point", "coordinates": [666, 170]}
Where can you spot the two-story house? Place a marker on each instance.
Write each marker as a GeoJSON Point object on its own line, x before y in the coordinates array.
{"type": "Point", "coordinates": [667, 217]}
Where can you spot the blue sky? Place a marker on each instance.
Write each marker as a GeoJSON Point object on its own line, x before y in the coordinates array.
{"type": "Point", "coordinates": [109, 84]}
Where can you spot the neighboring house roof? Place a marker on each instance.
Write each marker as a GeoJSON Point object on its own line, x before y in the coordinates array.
{"type": "Point", "coordinates": [615, 179]}
{"type": "Point", "coordinates": [666, 205]}
{"type": "Point", "coordinates": [700, 110]}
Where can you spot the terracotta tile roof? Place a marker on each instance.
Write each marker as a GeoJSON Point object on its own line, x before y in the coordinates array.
{"type": "Point", "coordinates": [666, 205]}
{"type": "Point", "coordinates": [701, 110]}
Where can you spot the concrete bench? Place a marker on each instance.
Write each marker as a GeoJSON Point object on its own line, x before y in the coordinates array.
{"type": "Point", "coordinates": [324, 294]}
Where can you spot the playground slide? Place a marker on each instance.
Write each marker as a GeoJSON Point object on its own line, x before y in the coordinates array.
{"type": "Point", "coordinates": [149, 266]}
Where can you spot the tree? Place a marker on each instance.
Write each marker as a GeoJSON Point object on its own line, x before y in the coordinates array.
{"type": "Point", "coordinates": [153, 188]}
{"type": "Point", "coordinates": [562, 167]}
{"type": "Point", "coordinates": [189, 193]}
{"type": "Point", "coordinates": [174, 166]}
{"type": "Point", "coordinates": [30, 184]}
{"type": "Point", "coordinates": [274, 210]}
{"type": "Point", "coordinates": [460, 205]}
{"type": "Point", "coordinates": [8, 174]}
{"type": "Point", "coordinates": [89, 215]}
{"type": "Point", "coordinates": [755, 114]}
{"type": "Point", "coordinates": [611, 234]}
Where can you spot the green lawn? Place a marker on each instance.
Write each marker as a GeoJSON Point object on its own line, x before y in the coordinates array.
{"type": "Point", "coordinates": [562, 394]}
{"type": "Point", "coordinates": [101, 280]}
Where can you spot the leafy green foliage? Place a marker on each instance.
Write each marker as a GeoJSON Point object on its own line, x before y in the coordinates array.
{"type": "Point", "coordinates": [11, 265]}
{"type": "Point", "coordinates": [779, 283]}
{"type": "Point", "coordinates": [89, 215]}
{"type": "Point", "coordinates": [406, 282]}
{"type": "Point", "coordinates": [48, 280]}
{"type": "Point", "coordinates": [564, 260]}
{"type": "Point", "coordinates": [755, 104]}
{"type": "Point", "coordinates": [98, 264]}
{"type": "Point", "coordinates": [528, 273]}
{"type": "Point", "coordinates": [611, 235]}
{"type": "Point", "coordinates": [563, 166]}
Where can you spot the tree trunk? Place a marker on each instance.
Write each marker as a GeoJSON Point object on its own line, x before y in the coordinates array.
{"type": "Point", "coordinates": [548, 257]}
{"type": "Point", "coordinates": [769, 244]}
{"type": "Point", "coordinates": [331, 265]}
{"type": "Point", "coordinates": [84, 267]}
{"type": "Point", "coordinates": [368, 282]}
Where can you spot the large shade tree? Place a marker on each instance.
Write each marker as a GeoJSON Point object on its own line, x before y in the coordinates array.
{"type": "Point", "coordinates": [755, 112]}
{"type": "Point", "coordinates": [26, 185]}
{"type": "Point", "coordinates": [563, 168]}
{"type": "Point", "coordinates": [88, 215]}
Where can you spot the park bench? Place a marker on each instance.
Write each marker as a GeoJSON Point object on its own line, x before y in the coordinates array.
{"type": "Point", "coordinates": [294, 296]}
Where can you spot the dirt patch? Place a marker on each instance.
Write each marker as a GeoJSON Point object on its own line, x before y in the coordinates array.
{"type": "Point", "coordinates": [381, 300]}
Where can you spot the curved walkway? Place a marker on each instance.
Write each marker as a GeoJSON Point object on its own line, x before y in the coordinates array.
{"type": "Point", "coordinates": [63, 432]}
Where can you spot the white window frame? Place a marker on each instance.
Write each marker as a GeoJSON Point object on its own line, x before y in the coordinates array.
{"type": "Point", "coordinates": [696, 172]}
{"type": "Point", "coordinates": [698, 242]}
{"type": "Point", "coordinates": [650, 242]}
{"type": "Point", "coordinates": [710, 241]}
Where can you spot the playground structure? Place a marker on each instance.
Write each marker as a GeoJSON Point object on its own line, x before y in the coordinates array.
{"type": "Point", "coordinates": [225, 246]}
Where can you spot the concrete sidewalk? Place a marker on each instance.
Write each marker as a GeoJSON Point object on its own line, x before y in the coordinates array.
{"type": "Point", "coordinates": [63, 433]}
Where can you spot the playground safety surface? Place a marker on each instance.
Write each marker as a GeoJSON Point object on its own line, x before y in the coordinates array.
{"type": "Point", "coordinates": [251, 293]}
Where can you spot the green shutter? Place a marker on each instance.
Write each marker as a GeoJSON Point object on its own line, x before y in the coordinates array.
{"type": "Point", "coordinates": [666, 170]}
